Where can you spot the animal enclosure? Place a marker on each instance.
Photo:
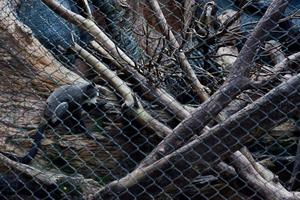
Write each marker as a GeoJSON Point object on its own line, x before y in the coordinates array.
{"type": "Point", "coordinates": [124, 99]}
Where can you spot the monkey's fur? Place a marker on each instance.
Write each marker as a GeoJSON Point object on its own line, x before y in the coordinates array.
{"type": "Point", "coordinates": [64, 106]}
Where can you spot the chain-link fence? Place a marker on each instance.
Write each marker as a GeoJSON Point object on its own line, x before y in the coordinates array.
{"type": "Point", "coordinates": [116, 99]}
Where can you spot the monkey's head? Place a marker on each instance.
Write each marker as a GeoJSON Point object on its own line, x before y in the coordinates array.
{"type": "Point", "coordinates": [90, 93]}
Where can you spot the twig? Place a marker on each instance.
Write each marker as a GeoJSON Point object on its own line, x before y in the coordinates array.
{"type": "Point", "coordinates": [187, 15]}
{"type": "Point", "coordinates": [87, 9]}
{"type": "Point", "coordinates": [92, 28]}
{"type": "Point", "coordinates": [237, 82]}
{"type": "Point", "coordinates": [198, 88]}
{"type": "Point", "coordinates": [156, 93]}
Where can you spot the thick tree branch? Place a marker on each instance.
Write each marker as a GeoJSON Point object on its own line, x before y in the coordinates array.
{"type": "Point", "coordinates": [269, 187]}
{"type": "Point", "coordinates": [266, 24]}
{"type": "Point", "coordinates": [135, 108]}
{"type": "Point", "coordinates": [209, 149]}
{"type": "Point", "coordinates": [127, 64]}
{"type": "Point", "coordinates": [237, 82]}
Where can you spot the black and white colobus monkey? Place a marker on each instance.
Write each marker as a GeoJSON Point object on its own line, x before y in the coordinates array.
{"type": "Point", "coordinates": [64, 106]}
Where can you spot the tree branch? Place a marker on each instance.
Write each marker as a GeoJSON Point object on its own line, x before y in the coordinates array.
{"type": "Point", "coordinates": [238, 81]}
{"type": "Point", "coordinates": [198, 88]}
{"type": "Point", "coordinates": [270, 188]}
{"type": "Point", "coordinates": [128, 66]}
{"type": "Point", "coordinates": [209, 149]}
{"type": "Point", "coordinates": [135, 107]}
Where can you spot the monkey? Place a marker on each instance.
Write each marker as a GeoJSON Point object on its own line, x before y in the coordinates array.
{"type": "Point", "coordinates": [64, 106]}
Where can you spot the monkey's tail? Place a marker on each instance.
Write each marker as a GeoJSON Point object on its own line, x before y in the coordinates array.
{"type": "Point", "coordinates": [33, 150]}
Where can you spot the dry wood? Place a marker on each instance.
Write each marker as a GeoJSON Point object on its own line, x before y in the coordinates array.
{"type": "Point", "coordinates": [88, 186]}
{"type": "Point", "coordinates": [237, 81]}
{"type": "Point", "coordinates": [127, 64]}
{"type": "Point", "coordinates": [187, 15]}
{"type": "Point", "coordinates": [265, 182]}
{"type": "Point", "coordinates": [198, 88]}
{"type": "Point", "coordinates": [211, 148]}
{"type": "Point", "coordinates": [136, 110]}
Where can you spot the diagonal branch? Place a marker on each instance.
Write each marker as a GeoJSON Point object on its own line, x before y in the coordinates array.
{"type": "Point", "coordinates": [267, 185]}
{"type": "Point", "coordinates": [158, 94]}
{"type": "Point", "coordinates": [198, 88]}
{"type": "Point", "coordinates": [238, 81]}
{"type": "Point", "coordinates": [209, 149]}
{"type": "Point", "coordinates": [187, 14]}
{"type": "Point", "coordinates": [135, 108]}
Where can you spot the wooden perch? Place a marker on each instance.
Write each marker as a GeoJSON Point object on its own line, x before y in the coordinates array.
{"type": "Point", "coordinates": [209, 149]}
{"type": "Point", "coordinates": [266, 184]}
{"type": "Point", "coordinates": [136, 110]}
{"type": "Point", "coordinates": [87, 186]}
{"type": "Point", "coordinates": [90, 26]}
{"type": "Point", "coordinates": [156, 93]}
{"type": "Point", "coordinates": [266, 24]}
{"type": "Point", "coordinates": [127, 64]}
{"type": "Point", "coordinates": [237, 82]}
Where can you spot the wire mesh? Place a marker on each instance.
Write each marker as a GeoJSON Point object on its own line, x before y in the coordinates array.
{"type": "Point", "coordinates": [116, 99]}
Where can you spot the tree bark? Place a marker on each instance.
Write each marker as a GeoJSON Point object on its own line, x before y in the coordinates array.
{"type": "Point", "coordinates": [237, 82]}
{"type": "Point", "coordinates": [209, 149]}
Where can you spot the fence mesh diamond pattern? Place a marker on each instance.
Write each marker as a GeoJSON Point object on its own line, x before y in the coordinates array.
{"type": "Point", "coordinates": [156, 99]}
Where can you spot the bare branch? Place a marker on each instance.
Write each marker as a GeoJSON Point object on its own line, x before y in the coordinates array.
{"type": "Point", "coordinates": [136, 109]}
{"type": "Point", "coordinates": [156, 93]}
{"type": "Point", "coordinates": [92, 28]}
{"type": "Point", "coordinates": [187, 14]}
{"type": "Point", "coordinates": [87, 9]}
{"type": "Point", "coordinates": [88, 25]}
{"type": "Point", "coordinates": [212, 147]}
{"type": "Point", "coordinates": [238, 81]}
{"type": "Point", "coordinates": [198, 88]}
{"type": "Point", "coordinates": [270, 188]}
{"type": "Point", "coordinates": [267, 23]}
